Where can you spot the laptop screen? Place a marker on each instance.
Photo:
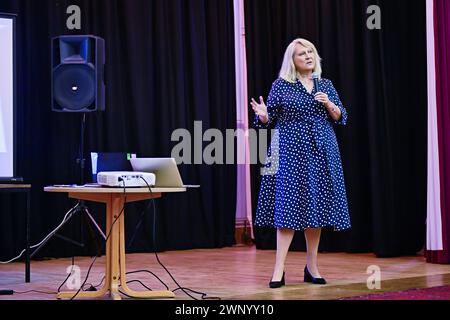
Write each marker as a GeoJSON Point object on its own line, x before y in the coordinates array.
{"type": "Point", "coordinates": [165, 170]}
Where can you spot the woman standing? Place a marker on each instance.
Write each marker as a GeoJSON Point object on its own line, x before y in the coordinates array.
{"type": "Point", "coordinates": [307, 192]}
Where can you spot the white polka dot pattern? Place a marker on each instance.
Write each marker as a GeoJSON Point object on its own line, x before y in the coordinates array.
{"type": "Point", "coordinates": [308, 190]}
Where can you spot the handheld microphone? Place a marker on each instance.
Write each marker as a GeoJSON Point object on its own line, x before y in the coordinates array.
{"type": "Point", "coordinates": [315, 78]}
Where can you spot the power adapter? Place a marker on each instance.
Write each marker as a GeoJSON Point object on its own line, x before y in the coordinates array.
{"type": "Point", "coordinates": [6, 292]}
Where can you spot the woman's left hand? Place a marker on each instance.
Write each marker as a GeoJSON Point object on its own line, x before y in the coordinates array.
{"type": "Point", "coordinates": [322, 98]}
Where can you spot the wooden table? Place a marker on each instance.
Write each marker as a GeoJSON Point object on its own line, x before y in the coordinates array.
{"type": "Point", "coordinates": [115, 272]}
{"type": "Point", "coordinates": [22, 188]}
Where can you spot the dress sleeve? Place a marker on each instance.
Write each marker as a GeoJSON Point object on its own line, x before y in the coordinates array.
{"type": "Point", "coordinates": [273, 107]}
{"type": "Point", "coordinates": [334, 97]}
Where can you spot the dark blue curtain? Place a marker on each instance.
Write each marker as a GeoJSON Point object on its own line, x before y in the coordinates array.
{"type": "Point", "coordinates": [381, 77]}
{"type": "Point", "coordinates": [168, 63]}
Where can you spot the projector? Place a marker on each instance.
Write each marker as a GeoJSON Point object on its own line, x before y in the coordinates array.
{"type": "Point", "coordinates": [126, 179]}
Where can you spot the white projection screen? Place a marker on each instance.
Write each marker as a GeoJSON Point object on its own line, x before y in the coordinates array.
{"type": "Point", "coordinates": [7, 96]}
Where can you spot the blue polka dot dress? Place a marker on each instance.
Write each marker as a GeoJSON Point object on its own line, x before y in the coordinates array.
{"type": "Point", "coordinates": [302, 183]}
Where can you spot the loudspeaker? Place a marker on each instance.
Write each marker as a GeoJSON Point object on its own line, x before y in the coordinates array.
{"type": "Point", "coordinates": [77, 73]}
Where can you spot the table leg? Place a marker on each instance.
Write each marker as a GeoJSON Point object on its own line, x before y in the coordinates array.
{"type": "Point", "coordinates": [117, 214]}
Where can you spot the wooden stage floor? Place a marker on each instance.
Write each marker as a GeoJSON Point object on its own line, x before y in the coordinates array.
{"type": "Point", "coordinates": [236, 273]}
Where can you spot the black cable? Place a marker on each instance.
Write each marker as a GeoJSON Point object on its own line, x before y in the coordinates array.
{"type": "Point", "coordinates": [65, 280]}
{"type": "Point", "coordinates": [106, 240]}
{"type": "Point", "coordinates": [137, 271]}
{"type": "Point", "coordinates": [37, 291]}
{"type": "Point", "coordinates": [59, 288]}
{"type": "Point", "coordinates": [138, 225]}
{"type": "Point", "coordinates": [147, 271]}
{"type": "Point", "coordinates": [121, 292]}
{"type": "Point", "coordinates": [203, 297]}
{"type": "Point", "coordinates": [142, 284]}
{"type": "Point", "coordinates": [131, 281]}
{"type": "Point", "coordinates": [141, 216]}
{"type": "Point", "coordinates": [89, 286]}
{"type": "Point", "coordinates": [103, 278]}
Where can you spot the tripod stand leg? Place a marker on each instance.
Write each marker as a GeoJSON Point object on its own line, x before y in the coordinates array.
{"type": "Point", "coordinates": [92, 235]}
{"type": "Point", "coordinates": [95, 223]}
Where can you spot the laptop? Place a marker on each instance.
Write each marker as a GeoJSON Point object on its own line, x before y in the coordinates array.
{"type": "Point", "coordinates": [110, 161]}
{"type": "Point", "coordinates": [165, 169]}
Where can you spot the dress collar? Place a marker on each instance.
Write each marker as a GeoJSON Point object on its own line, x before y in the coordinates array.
{"type": "Point", "coordinates": [313, 92]}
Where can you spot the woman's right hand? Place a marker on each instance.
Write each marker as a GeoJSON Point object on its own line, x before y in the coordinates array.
{"type": "Point", "coordinates": [260, 109]}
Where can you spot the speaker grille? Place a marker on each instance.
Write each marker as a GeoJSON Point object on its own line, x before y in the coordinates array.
{"type": "Point", "coordinates": [74, 86]}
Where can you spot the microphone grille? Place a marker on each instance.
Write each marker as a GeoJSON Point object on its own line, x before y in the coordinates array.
{"type": "Point", "coordinates": [315, 75]}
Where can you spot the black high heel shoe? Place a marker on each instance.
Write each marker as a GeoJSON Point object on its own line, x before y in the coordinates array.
{"type": "Point", "coordinates": [277, 284]}
{"type": "Point", "coordinates": [309, 278]}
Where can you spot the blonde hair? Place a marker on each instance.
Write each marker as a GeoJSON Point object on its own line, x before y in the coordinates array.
{"type": "Point", "coordinates": [288, 71]}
